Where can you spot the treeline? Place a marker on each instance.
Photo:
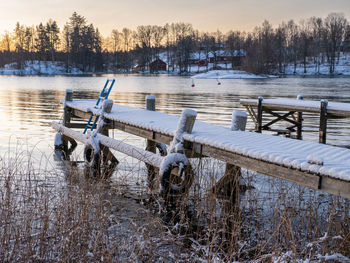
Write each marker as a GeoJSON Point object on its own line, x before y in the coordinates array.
{"type": "Point", "coordinates": [266, 49]}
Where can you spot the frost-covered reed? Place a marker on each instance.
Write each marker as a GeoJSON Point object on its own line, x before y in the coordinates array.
{"type": "Point", "coordinates": [49, 214]}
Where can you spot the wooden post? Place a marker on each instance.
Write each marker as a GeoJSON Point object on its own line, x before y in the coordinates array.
{"type": "Point", "coordinates": [107, 106]}
{"type": "Point", "coordinates": [102, 163]}
{"type": "Point", "coordinates": [228, 185]}
{"type": "Point", "coordinates": [150, 102]}
{"type": "Point", "coordinates": [150, 105]}
{"type": "Point", "coordinates": [323, 121]}
{"type": "Point", "coordinates": [260, 115]}
{"type": "Point", "coordinates": [177, 148]}
{"type": "Point", "coordinates": [239, 120]}
{"type": "Point", "coordinates": [300, 120]}
{"type": "Point", "coordinates": [109, 161]}
{"type": "Point", "coordinates": [67, 151]}
{"type": "Point", "coordinates": [67, 112]}
{"type": "Point", "coordinates": [185, 124]}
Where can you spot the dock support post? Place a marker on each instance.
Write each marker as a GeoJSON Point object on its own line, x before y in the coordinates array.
{"type": "Point", "coordinates": [299, 120]}
{"type": "Point", "coordinates": [67, 111]}
{"type": "Point", "coordinates": [228, 185]}
{"type": "Point", "coordinates": [185, 124]}
{"type": "Point", "coordinates": [150, 102]}
{"type": "Point", "coordinates": [175, 187]}
{"type": "Point", "coordinates": [100, 165]}
{"type": "Point", "coordinates": [323, 121]}
{"type": "Point", "coordinates": [109, 161]}
{"type": "Point", "coordinates": [61, 141]}
{"type": "Point", "coordinates": [260, 115]}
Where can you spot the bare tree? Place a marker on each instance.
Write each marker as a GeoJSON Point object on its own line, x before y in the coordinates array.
{"type": "Point", "coordinates": [234, 44]}
{"type": "Point", "coordinates": [292, 43]}
{"type": "Point", "coordinates": [335, 24]}
{"type": "Point", "coordinates": [158, 33]}
{"type": "Point", "coordinates": [116, 38]}
{"type": "Point", "coordinates": [317, 29]}
{"type": "Point", "coordinates": [305, 42]}
{"type": "Point", "coordinates": [6, 41]}
{"type": "Point", "coordinates": [127, 36]}
{"type": "Point", "coordinates": [208, 42]}
{"type": "Point", "coordinates": [144, 36]}
{"type": "Point", "coordinates": [346, 47]}
{"type": "Point", "coordinates": [280, 40]}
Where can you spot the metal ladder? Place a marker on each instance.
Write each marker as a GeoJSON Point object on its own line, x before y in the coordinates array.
{"type": "Point", "coordinates": [103, 96]}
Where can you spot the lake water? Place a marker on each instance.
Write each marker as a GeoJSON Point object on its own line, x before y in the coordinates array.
{"type": "Point", "coordinates": [29, 104]}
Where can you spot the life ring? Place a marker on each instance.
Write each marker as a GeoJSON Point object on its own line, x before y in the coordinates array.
{"type": "Point", "coordinates": [92, 159]}
{"type": "Point", "coordinates": [180, 184]}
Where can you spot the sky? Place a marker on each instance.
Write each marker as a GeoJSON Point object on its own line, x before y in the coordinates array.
{"type": "Point", "coordinates": [204, 15]}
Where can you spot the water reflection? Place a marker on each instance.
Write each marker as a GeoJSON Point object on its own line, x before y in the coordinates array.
{"type": "Point", "coordinates": [29, 104]}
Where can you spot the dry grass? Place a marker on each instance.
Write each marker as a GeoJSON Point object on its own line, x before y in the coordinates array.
{"type": "Point", "coordinates": [47, 215]}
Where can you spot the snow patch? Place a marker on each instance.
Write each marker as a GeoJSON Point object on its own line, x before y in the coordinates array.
{"type": "Point", "coordinates": [39, 68]}
{"type": "Point", "coordinates": [228, 74]}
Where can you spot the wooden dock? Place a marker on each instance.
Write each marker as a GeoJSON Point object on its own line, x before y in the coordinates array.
{"type": "Point", "coordinates": [291, 110]}
{"type": "Point", "coordinates": [317, 166]}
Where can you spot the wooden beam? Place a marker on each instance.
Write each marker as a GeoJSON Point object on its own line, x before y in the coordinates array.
{"type": "Point", "coordinates": [260, 115]}
{"type": "Point", "coordinates": [323, 122]}
{"type": "Point", "coordinates": [76, 125]}
{"type": "Point", "coordinates": [299, 120]}
{"type": "Point", "coordinates": [335, 187]}
{"type": "Point", "coordinates": [278, 118]}
{"type": "Point", "coordinates": [150, 102]}
{"type": "Point", "coordinates": [281, 172]}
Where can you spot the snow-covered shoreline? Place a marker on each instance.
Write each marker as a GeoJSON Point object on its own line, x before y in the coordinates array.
{"type": "Point", "coordinates": [228, 74]}
{"type": "Point", "coordinates": [39, 68]}
{"type": "Point", "coordinates": [52, 68]}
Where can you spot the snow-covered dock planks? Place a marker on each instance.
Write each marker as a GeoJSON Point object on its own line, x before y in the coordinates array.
{"type": "Point", "coordinates": [317, 166]}
{"type": "Point", "coordinates": [323, 108]}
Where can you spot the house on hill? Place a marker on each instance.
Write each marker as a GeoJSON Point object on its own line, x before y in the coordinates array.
{"type": "Point", "coordinates": [220, 56]}
{"type": "Point", "coordinates": [157, 65]}
{"type": "Point", "coordinates": [226, 57]}
{"type": "Point", "coordinates": [199, 59]}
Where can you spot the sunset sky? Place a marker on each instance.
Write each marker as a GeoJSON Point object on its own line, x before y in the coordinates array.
{"type": "Point", "coordinates": [205, 15]}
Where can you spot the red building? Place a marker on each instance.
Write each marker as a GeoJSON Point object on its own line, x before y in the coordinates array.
{"type": "Point", "coordinates": [226, 57]}
{"type": "Point", "coordinates": [220, 56]}
{"type": "Point", "coordinates": [157, 65]}
{"type": "Point", "coordinates": [198, 59]}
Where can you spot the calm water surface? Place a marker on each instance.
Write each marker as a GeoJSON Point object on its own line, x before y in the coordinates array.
{"type": "Point", "coordinates": [29, 104]}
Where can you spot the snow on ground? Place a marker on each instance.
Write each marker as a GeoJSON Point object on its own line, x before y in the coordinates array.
{"type": "Point", "coordinates": [227, 74]}
{"type": "Point", "coordinates": [39, 68]}
{"type": "Point", "coordinates": [342, 67]}
{"type": "Point", "coordinates": [312, 71]}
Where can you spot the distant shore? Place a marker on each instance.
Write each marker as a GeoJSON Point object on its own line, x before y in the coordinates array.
{"type": "Point", "coordinates": [53, 68]}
